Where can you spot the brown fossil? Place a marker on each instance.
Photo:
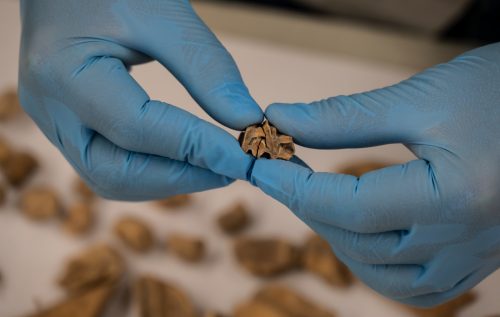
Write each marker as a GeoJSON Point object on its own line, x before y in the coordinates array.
{"type": "Point", "coordinates": [94, 267]}
{"type": "Point", "coordinates": [79, 218]}
{"type": "Point", "coordinates": [159, 299]}
{"type": "Point", "coordinates": [175, 202]}
{"type": "Point", "coordinates": [135, 234]}
{"type": "Point", "coordinates": [266, 257]}
{"type": "Point", "coordinates": [264, 140]}
{"type": "Point", "coordinates": [213, 314]}
{"type": "Point", "coordinates": [360, 168]}
{"type": "Point", "coordinates": [40, 203]}
{"type": "Point", "coordinates": [280, 301]}
{"type": "Point", "coordinates": [18, 167]}
{"type": "Point", "coordinates": [5, 151]}
{"type": "Point", "coordinates": [318, 258]}
{"type": "Point", "coordinates": [83, 191]}
{"type": "Point", "coordinates": [90, 303]}
{"type": "Point", "coordinates": [3, 194]}
{"type": "Point", "coordinates": [190, 249]}
{"type": "Point", "coordinates": [449, 309]}
{"type": "Point", "coordinates": [9, 104]}
{"type": "Point", "coordinates": [234, 220]}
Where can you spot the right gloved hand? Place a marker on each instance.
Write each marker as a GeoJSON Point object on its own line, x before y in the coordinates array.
{"type": "Point", "coordinates": [74, 83]}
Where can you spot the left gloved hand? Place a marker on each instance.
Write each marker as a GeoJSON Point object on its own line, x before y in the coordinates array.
{"type": "Point", "coordinates": [422, 232]}
{"type": "Point", "coordinates": [74, 82]}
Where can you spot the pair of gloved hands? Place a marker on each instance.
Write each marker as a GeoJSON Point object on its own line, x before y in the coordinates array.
{"type": "Point", "coordinates": [421, 232]}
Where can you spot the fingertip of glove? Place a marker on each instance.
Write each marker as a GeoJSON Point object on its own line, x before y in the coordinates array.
{"type": "Point", "coordinates": [236, 109]}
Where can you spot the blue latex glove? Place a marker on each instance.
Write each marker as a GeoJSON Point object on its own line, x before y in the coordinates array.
{"type": "Point", "coordinates": [74, 83]}
{"type": "Point", "coordinates": [422, 232]}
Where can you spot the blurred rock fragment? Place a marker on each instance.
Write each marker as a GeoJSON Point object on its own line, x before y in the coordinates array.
{"type": "Point", "coordinates": [5, 151]}
{"type": "Point", "coordinates": [19, 167]}
{"type": "Point", "coordinates": [91, 303]}
{"type": "Point", "coordinates": [40, 203]}
{"type": "Point", "coordinates": [175, 202]}
{"type": "Point", "coordinates": [280, 301]}
{"type": "Point", "coordinates": [234, 220]}
{"type": "Point", "coordinates": [266, 257]}
{"type": "Point", "coordinates": [98, 265]}
{"type": "Point", "coordinates": [79, 219]}
{"type": "Point", "coordinates": [83, 191]}
{"type": "Point", "coordinates": [9, 105]}
{"type": "Point", "coordinates": [360, 168]}
{"type": "Point", "coordinates": [319, 259]}
{"type": "Point", "coordinates": [189, 249]}
{"type": "Point", "coordinates": [160, 299]}
{"type": "Point", "coordinates": [3, 194]}
{"type": "Point", "coordinates": [135, 234]}
{"type": "Point", "coordinates": [449, 309]}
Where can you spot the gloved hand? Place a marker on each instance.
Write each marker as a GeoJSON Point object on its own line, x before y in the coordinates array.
{"type": "Point", "coordinates": [74, 83]}
{"type": "Point", "coordinates": [422, 232]}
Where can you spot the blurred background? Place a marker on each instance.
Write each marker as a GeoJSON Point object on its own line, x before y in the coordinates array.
{"type": "Point", "coordinates": [287, 51]}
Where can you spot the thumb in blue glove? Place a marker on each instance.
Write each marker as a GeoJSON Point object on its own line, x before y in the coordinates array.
{"type": "Point", "coordinates": [422, 232]}
{"type": "Point", "coordinates": [74, 82]}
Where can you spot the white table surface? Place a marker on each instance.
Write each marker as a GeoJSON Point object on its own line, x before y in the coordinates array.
{"type": "Point", "coordinates": [32, 255]}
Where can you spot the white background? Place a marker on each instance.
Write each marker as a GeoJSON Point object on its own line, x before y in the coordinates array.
{"type": "Point", "coordinates": [32, 255]}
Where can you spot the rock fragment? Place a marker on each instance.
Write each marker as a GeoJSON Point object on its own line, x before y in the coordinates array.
{"type": "Point", "coordinates": [280, 301]}
{"type": "Point", "coordinates": [79, 219]}
{"type": "Point", "coordinates": [19, 167]}
{"type": "Point", "coordinates": [234, 219]}
{"type": "Point", "coordinates": [40, 203]}
{"type": "Point", "coordinates": [265, 257]}
{"type": "Point", "coordinates": [189, 249]}
{"type": "Point", "coordinates": [449, 309]}
{"type": "Point", "coordinates": [265, 141]}
{"type": "Point", "coordinates": [96, 266]}
{"type": "Point", "coordinates": [135, 234]}
{"type": "Point", "coordinates": [90, 303]}
{"type": "Point", "coordinates": [9, 105]}
{"type": "Point", "coordinates": [319, 259]}
{"type": "Point", "coordinates": [160, 299]}
{"type": "Point", "coordinates": [175, 202]}
{"type": "Point", "coordinates": [83, 191]}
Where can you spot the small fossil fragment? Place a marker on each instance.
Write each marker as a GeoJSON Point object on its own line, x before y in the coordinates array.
{"type": "Point", "coordinates": [18, 167]}
{"type": "Point", "coordinates": [9, 104]}
{"type": "Point", "coordinates": [95, 266]}
{"type": "Point", "coordinates": [174, 202]}
{"type": "Point", "coordinates": [213, 314]}
{"type": "Point", "coordinates": [5, 151]}
{"type": "Point", "coordinates": [79, 218]}
{"type": "Point", "coordinates": [234, 220]}
{"type": "Point", "coordinates": [40, 203]}
{"type": "Point", "coordinates": [159, 299]}
{"type": "Point", "coordinates": [135, 234]}
{"type": "Point", "coordinates": [280, 301]}
{"type": "Point", "coordinates": [189, 249]}
{"type": "Point", "coordinates": [3, 194]}
{"type": "Point", "coordinates": [449, 309]}
{"type": "Point", "coordinates": [83, 191]}
{"type": "Point", "coordinates": [318, 258]}
{"type": "Point", "coordinates": [358, 169]}
{"type": "Point", "coordinates": [266, 257]}
{"type": "Point", "coordinates": [90, 303]}
{"type": "Point", "coordinates": [264, 140]}
{"type": "Point", "coordinates": [256, 308]}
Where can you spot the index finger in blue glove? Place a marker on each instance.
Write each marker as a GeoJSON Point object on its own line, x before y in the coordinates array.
{"type": "Point", "coordinates": [108, 100]}
{"type": "Point", "coordinates": [172, 33]}
{"type": "Point", "coordinates": [383, 116]}
{"type": "Point", "coordinates": [355, 204]}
